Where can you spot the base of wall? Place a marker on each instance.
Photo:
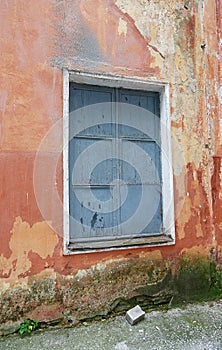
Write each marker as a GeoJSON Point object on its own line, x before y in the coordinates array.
{"type": "Point", "coordinates": [110, 289]}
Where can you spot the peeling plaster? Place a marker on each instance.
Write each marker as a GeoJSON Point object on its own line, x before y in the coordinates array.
{"type": "Point", "coordinates": [179, 62]}
{"type": "Point", "coordinates": [39, 238]}
{"type": "Point", "coordinates": [195, 251]}
{"type": "Point", "coordinates": [152, 256]}
{"type": "Point", "coordinates": [122, 27]}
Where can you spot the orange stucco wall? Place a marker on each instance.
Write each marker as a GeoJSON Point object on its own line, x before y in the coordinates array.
{"type": "Point", "coordinates": [167, 41]}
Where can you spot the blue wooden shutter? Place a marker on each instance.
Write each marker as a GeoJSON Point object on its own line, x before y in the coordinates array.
{"type": "Point", "coordinates": [87, 221]}
{"type": "Point", "coordinates": [150, 144]}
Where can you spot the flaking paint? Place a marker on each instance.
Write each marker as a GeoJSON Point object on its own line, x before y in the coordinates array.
{"type": "Point", "coordinates": [163, 41]}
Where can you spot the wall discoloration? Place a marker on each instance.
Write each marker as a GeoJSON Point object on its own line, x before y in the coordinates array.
{"type": "Point", "coordinates": [26, 74]}
{"type": "Point", "coordinates": [169, 41]}
{"type": "Point", "coordinates": [217, 199]}
{"type": "Point", "coordinates": [122, 27]}
{"type": "Point", "coordinates": [98, 43]}
{"type": "Point", "coordinates": [114, 288]}
{"type": "Point", "coordinates": [24, 241]}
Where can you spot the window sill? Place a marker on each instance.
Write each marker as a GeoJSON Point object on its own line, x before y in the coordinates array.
{"type": "Point", "coordinates": [120, 243]}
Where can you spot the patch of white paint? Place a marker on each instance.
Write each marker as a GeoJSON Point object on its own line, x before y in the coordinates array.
{"type": "Point", "coordinates": [122, 27]}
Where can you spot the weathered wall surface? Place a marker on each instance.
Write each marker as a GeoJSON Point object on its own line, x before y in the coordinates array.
{"type": "Point", "coordinates": [217, 178]}
{"type": "Point", "coordinates": [171, 41]}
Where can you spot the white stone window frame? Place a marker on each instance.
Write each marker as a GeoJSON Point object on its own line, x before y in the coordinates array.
{"type": "Point", "coordinates": [133, 83]}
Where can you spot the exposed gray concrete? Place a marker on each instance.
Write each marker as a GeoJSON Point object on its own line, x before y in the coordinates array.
{"type": "Point", "coordinates": [196, 327]}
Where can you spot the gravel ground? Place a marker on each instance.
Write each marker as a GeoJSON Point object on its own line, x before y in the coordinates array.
{"type": "Point", "coordinates": [196, 327]}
